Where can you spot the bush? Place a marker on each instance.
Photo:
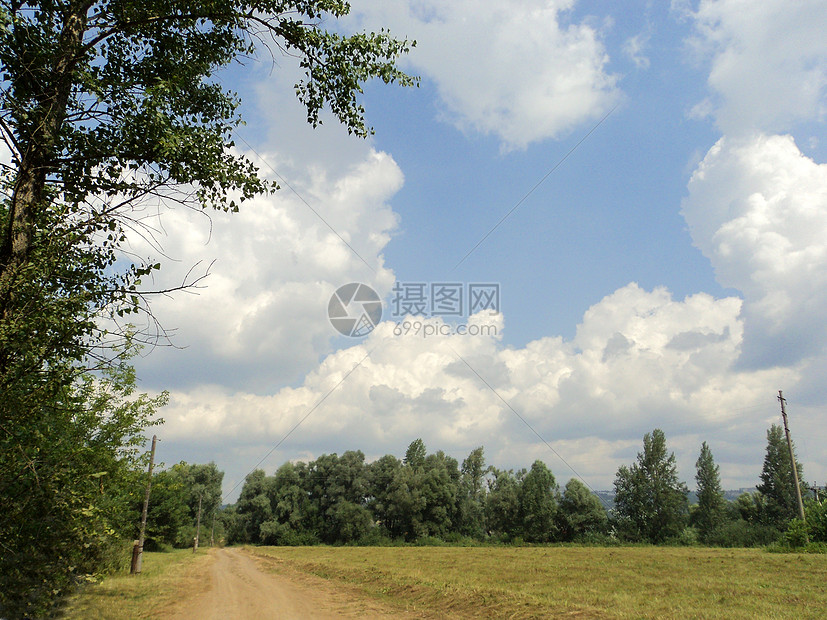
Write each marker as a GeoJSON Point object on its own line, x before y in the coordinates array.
{"type": "Point", "coordinates": [796, 534]}
{"type": "Point", "coordinates": [375, 537]}
{"type": "Point", "coordinates": [281, 534]}
{"type": "Point", "coordinates": [687, 538]}
{"type": "Point", "coordinates": [817, 520]}
{"type": "Point", "coordinates": [741, 533]}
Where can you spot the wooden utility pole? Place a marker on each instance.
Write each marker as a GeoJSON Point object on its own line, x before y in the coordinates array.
{"type": "Point", "coordinates": [792, 457]}
{"type": "Point", "coordinates": [138, 548]}
{"type": "Point", "coordinates": [212, 531]}
{"type": "Point", "coordinates": [198, 524]}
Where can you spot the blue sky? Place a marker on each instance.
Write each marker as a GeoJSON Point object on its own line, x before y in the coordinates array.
{"type": "Point", "coordinates": [671, 272]}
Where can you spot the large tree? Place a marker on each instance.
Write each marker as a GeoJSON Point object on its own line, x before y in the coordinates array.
{"type": "Point", "coordinates": [710, 513]}
{"type": "Point", "coordinates": [650, 501]}
{"type": "Point", "coordinates": [777, 485]}
{"type": "Point", "coordinates": [107, 106]}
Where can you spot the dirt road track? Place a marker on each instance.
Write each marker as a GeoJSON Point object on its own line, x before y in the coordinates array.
{"type": "Point", "coordinates": [237, 587]}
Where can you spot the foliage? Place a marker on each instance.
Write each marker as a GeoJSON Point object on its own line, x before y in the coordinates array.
{"type": "Point", "coordinates": [650, 502]}
{"type": "Point", "coordinates": [816, 513]}
{"type": "Point", "coordinates": [471, 495]}
{"type": "Point", "coordinates": [777, 485]}
{"type": "Point", "coordinates": [796, 534]}
{"type": "Point", "coordinates": [502, 505]}
{"type": "Point", "coordinates": [71, 478]}
{"type": "Point", "coordinates": [581, 513]}
{"type": "Point", "coordinates": [167, 512]}
{"type": "Point", "coordinates": [539, 497]}
{"type": "Point", "coordinates": [711, 509]}
{"type": "Point", "coordinates": [108, 107]}
{"type": "Point", "coordinates": [173, 507]}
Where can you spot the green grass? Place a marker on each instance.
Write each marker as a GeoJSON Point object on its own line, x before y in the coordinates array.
{"type": "Point", "coordinates": [163, 578]}
{"type": "Point", "coordinates": [584, 582]}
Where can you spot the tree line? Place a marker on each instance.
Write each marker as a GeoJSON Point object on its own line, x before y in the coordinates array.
{"type": "Point", "coordinates": [432, 497]}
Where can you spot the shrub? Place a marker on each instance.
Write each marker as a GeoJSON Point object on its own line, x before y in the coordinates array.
{"type": "Point", "coordinates": [796, 534]}
{"type": "Point", "coordinates": [741, 533]}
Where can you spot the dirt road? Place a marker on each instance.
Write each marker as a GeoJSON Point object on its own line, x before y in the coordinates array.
{"type": "Point", "coordinates": [235, 585]}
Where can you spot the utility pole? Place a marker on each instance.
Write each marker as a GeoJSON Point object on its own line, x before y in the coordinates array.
{"type": "Point", "coordinates": [212, 531]}
{"type": "Point", "coordinates": [138, 547]}
{"type": "Point", "coordinates": [198, 524]}
{"type": "Point", "coordinates": [792, 457]}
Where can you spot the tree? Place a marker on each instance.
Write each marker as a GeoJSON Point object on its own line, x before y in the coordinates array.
{"type": "Point", "coordinates": [471, 499]}
{"type": "Point", "coordinates": [711, 510]}
{"type": "Point", "coordinates": [538, 496]}
{"type": "Point", "coordinates": [105, 105]}
{"type": "Point", "coordinates": [168, 511]}
{"type": "Point", "coordinates": [70, 502]}
{"type": "Point", "coordinates": [777, 486]}
{"type": "Point", "coordinates": [581, 512]}
{"type": "Point", "coordinates": [384, 476]}
{"type": "Point", "coordinates": [415, 454]}
{"type": "Point", "coordinates": [252, 509]}
{"type": "Point", "coordinates": [502, 504]}
{"type": "Point", "coordinates": [108, 103]}
{"type": "Point", "coordinates": [650, 502]}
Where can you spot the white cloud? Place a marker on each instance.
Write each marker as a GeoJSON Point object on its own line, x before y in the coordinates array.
{"type": "Point", "coordinates": [640, 360]}
{"type": "Point", "coordinates": [261, 320]}
{"type": "Point", "coordinates": [768, 61]}
{"type": "Point", "coordinates": [757, 208]}
{"type": "Point", "coordinates": [634, 48]}
{"type": "Point", "coordinates": [517, 69]}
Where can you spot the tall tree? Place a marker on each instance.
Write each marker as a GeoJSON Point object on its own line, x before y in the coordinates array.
{"type": "Point", "coordinates": [777, 486]}
{"type": "Point", "coordinates": [107, 104]}
{"type": "Point", "coordinates": [711, 510]}
{"type": "Point", "coordinates": [471, 498]}
{"type": "Point", "coordinates": [539, 498]}
{"type": "Point", "coordinates": [650, 501]}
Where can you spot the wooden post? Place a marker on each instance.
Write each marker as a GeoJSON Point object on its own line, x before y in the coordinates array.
{"type": "Point", "coordinates": [138, 547]}
{"type": "Point", "coordinates": [212, 531]}
{"type": "Point", "coordinates": [792, 458]}
{"type": "Point", "coordinates": [198, 524]}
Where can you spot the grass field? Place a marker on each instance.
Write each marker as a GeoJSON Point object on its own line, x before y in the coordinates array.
{"type": "Point", "coordinates": [508, 582]}
{"type": "Point", "coordinates": [580, 582]}
{"type": "Point", "coordinates": [164, 576]}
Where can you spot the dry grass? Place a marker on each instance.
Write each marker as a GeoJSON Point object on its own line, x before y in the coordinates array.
{"type": "Point", "coordinates": [164, 577]}
{"type": "Point", "coordinates": [580, 582]}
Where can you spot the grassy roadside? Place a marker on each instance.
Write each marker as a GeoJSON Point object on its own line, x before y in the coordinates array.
{"type": "Point", "coordinates": [164, 577]}
{"type": "Point", "coordinates": [583, 582]}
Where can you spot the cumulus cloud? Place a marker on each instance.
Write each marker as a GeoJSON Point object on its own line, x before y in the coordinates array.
{"type": "Point", "coordinates": [768, 62]}
{"type": "Point", "coordinates": [517, 69]}
{"type": "Point", "coordinates": [260, 319]}
{"type": "Point", "coordinates": [757, 208]}
{"type": "Point", "coordinates": [639, 360]}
